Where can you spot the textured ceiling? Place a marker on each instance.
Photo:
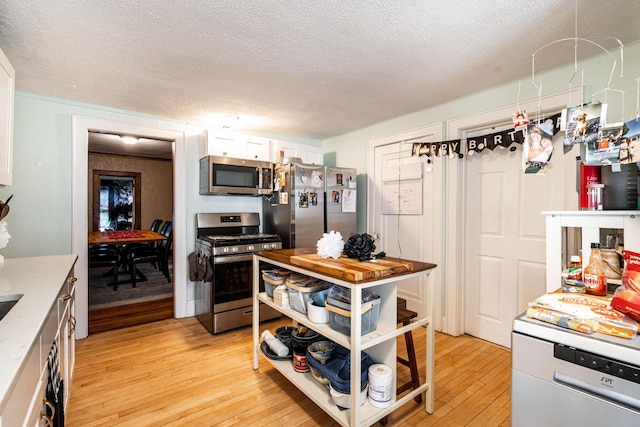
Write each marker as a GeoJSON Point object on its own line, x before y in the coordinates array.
{"type": "Point", "coordinates": [309, 68]}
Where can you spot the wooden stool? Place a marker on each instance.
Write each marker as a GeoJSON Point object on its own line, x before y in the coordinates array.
{"type": "Point", "coordinates": [404, 317]}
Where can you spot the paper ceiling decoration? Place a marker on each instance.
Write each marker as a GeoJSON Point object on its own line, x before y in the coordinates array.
{"type": "Point", "coordinates": [477, 144]}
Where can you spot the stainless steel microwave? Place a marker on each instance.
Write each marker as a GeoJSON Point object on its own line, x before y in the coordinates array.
{"type": "Point", "coordinates": [228, 175]}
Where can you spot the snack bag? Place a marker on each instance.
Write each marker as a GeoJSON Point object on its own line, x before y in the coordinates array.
{"type": "Point", "coordinates": [591, 310]}
{"type": "Point", "coordinates": [627, 301]}
{"type": "Point", "coordinates": [631, 274]}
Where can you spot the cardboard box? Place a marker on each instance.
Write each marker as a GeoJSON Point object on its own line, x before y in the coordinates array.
{"type": "Point", "coordinates": [281, 296]}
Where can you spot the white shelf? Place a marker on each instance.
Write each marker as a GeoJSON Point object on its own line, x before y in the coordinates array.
{"type": "Point", "coordinates": [319, 394]}
{"type": "Point", "coordinates": [368, 340]}
{"type": "Point", "coordinates": [379, 344]}
{"type": "Point", "coordinates": [590, 223]}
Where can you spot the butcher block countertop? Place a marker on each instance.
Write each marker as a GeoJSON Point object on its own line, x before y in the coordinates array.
{"type": "Point", "coordinates": [343, 268]}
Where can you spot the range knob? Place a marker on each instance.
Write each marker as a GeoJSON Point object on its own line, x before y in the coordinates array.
{"type": "Point", "coordinates": [250, 248]}
{"type": "Point", "coordinates": [234, 249]}
{"type": "Point", "coordinates": [265, 246]}
{"type": "Point", "coordinates": [225, 250]}
{"type": "Point", "coordinates": [274, 246]}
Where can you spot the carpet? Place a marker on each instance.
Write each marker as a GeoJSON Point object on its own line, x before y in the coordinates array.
{"type": "Point", "coordinates": [101, 293]}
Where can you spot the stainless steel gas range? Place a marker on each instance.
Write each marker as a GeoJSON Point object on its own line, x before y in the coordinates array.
{"type": "Point", "coordinates": [228, 241]}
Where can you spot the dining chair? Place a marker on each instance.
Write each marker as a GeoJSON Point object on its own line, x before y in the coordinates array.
{"type": "Point", "coordinates": [105, 256]}
{"type": "Point", "coordinates": [155, 225]}
{"type": "Point", "coordinates": [158, 254]}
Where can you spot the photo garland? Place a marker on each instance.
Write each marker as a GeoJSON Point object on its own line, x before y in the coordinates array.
{"type": "Point", "coordinates": [454, 148]}
{"type": "Point", "coordinates": [603, 143]}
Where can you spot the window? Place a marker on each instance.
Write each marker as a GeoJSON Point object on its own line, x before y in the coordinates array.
{"type": "Point", "coordinates": [116, 200]}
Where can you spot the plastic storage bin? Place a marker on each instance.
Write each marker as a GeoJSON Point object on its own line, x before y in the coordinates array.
{"type": "Point", "coordinates": [301, 288]}
{"type": "Point", "coordinates": [339, 306]}
{"type": "Point", "coordinates": [337, 369]}
{"type": "Point", "coordinates": [273, 279]}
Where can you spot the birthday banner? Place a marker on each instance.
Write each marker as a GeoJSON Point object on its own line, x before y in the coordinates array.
{"type": "Point", "coordinates": [477, 144]}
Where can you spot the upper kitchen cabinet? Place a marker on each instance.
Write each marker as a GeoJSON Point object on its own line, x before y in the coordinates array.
{"type": "Point", "coordinates": [257, 148]}
{"type": "Point", "coordinates": [7, 89]}
{"type": "Point", "coordinates": [212, 144]}
{"type": "Point", "coordinates": [238, 146]}
{"type": "Point", "coordinates": [308, 153]}
{"type": "Point", "coordinates": [311, 155]}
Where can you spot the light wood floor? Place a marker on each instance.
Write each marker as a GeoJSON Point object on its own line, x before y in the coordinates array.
{"type": "Point", "coordinates": [174, 373]}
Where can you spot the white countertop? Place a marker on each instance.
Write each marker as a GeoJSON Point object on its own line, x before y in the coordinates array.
{"type": "Point", "coordinates": [39, 279]}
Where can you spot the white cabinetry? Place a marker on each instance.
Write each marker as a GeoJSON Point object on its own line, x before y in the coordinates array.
{"type": "Point", "coordinates": [234, 145]}
{"type": "Point", "coordinates": [7, 89]}
{"type": "Point", "coordinates": [590, 223]}
{"type": "Point", "coordinates": [257, 148]}
{"type": "Point", "coordinates": [380, 344]}
{"type": "Point", "coordinates": [308, 153]}
{"type": "Point", "coordinates": [26, 404]}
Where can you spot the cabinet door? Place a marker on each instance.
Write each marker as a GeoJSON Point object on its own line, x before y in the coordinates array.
{"type": "Point", "coordinates": [311, 155]}
{"type": "Point", "coordinates": [212, 144]}
{"type": "Point", "coordinates": [7, 88]}
{"type": "Point", "coordinates": [35, 414]}
{"type": "Point", "coordinates": [257, 148]}
{"type": "Point", "coordinates": [289, 149]}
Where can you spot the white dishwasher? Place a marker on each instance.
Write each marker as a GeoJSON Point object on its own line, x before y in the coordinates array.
{"type": "Point", "coordinates": [564, 378]}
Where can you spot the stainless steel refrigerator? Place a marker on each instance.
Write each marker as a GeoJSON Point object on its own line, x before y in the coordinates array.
{"type": "Point", "coordinates": [309, 200]}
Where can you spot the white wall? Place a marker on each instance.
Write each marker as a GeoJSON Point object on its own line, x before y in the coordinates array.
{"type": "Point", "coordinates": [40, 217]}
{"type": "Point", "coordinates": [40, 221]}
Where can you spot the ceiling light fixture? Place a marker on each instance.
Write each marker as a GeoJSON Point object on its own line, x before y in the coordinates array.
{"type": "Point", "coordinates": [129, 139]}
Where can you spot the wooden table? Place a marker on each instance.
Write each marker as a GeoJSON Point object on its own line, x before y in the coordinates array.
{"type": "Point", "coordinates": [123, 237]}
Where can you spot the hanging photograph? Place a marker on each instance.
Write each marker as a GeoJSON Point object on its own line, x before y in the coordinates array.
{"type": "Point", "coordinates": [303, 199]}
{"type": "Point", "coordinates": [606, 149]}
{"type": "Point", "coordinates": [582, 123]}
{"type": "Point", "coordinates": [630, 143]}
{"type": "Point", "coordinates": [520, 119]}
{"type": "Point", "coordinates": [538, 147]}
{"type": "Point", "coordinates": [335, 196]}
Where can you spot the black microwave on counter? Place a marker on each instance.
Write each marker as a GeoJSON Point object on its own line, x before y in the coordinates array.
{"type": "Point", "coordinates": [228, 175]}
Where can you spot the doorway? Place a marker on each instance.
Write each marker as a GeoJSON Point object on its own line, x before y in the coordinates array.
{"type": "Point", "coordinates": [80, 215]}
{"type": "Point", "coordinates": [128, 198]}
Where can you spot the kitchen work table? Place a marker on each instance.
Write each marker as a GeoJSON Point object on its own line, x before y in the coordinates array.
{"type": "Point", "coordinates": [380, 277]}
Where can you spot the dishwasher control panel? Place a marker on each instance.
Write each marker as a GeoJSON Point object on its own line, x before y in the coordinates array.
{"type": "Point", "coordinates": [596, 362]}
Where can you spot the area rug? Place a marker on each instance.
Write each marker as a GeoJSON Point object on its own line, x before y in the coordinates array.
{"type": "Point", "coordinates": [101, 293]}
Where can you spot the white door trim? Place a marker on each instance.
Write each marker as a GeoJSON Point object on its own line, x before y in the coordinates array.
{"type": "Point", "coordinates": [457, 128]}
{"type": "Point", "coordinates": [80, 128]}
{"type": "Point", "coordinates": [436, 130]}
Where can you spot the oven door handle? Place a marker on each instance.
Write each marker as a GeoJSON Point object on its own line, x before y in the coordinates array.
{"type": "Point", "coordinates": [231, 258]}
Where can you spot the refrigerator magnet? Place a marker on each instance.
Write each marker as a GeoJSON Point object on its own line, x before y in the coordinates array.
{"type": "Point", "coordinates": [283, 198]}
{"type": "Point", "coordinates": [335, 195]}
{"type": "Point", "coordinates": [314, 199]}
{"type": "Point", "coordinates": [316, 179]}
{"type": "Point", "coordinates": [303, 199]}
{"type": "Point", "coordinates": [339, 179]}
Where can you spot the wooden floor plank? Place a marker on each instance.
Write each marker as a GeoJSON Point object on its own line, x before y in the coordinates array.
{"type": "Point", "coordinates": [174, 373]}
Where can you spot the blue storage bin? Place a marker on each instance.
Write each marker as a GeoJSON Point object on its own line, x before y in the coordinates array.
{"type": "Point", "coordinates": [338, 368]}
